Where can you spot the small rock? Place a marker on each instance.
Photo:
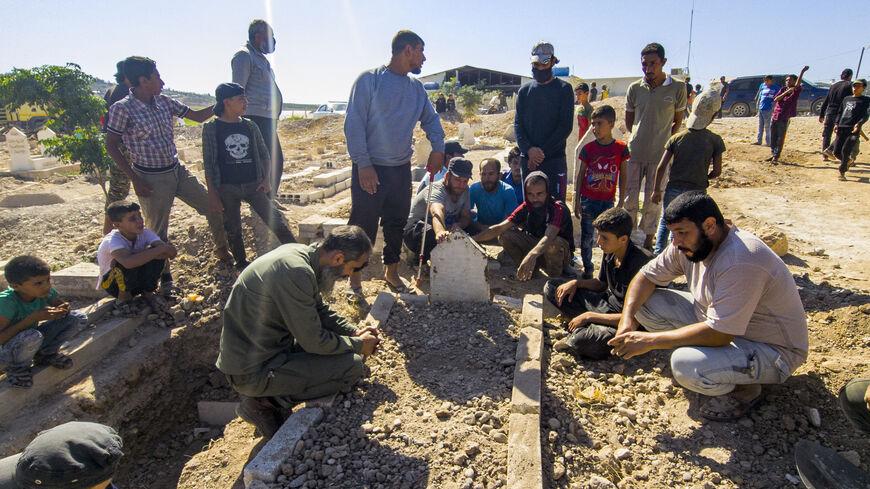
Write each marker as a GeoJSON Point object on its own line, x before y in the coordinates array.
{"type": "Point", "coordinates": [554, 423]}
{"type": "Point", "coordinates": [132, 342]}
{"type": "Point", "coordinates": [815, 417]}
{"type": "Point", "coordinates": [297, 482]}
{"type": "Point", "coordinates": [469, 472]}
{"type": "Point", "coordinates": [499, 437]}
{"type": "Point", "coordinates": [472, 449]}
{"type": "Point", "coordinates": [852, 456]}
{"type": "Point", "coordinates": [558, 471]}
{"type": "Point", "coordinates": [151, 317]}
{"type": "Point", "coordinates": [598, 482]}
{"type": "Point", "coordinates": [621, 453]}
{"type": "Point", "coordinates": [460, 459]}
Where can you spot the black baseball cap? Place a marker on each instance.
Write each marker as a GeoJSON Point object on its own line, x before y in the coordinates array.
{"type": "Point", "coordinates": [224, 91]}
{"type": "Point", "coordinates": [460, 167]}
{"type": "Point", "coordinates": [74, 455]}
{"type": "Point", "coordinates": [454, 147]}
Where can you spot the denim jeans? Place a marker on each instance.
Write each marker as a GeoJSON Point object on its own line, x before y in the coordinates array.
{"type": "Point", "coordinates": [710, 370]}
{"type": "Point", "coordinates": [663, 235]}
{"type": "Point", "coordinates": [591, 209]}
{"type": "Point", "coordinates": [44, 339]}
{"type": "Point", "coordinates": [764, 124]}
{"type": "Point", "coordinates": [232, 196]}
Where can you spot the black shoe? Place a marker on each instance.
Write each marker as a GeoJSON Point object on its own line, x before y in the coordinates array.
{"type": "Point", "coordinates": [769, 159]}
{"type": "Point", "coordinates": [241, 264]}
{"type": "Point", "coordinates": [260, 412]}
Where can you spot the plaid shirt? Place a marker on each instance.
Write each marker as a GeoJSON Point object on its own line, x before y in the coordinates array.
{"type": "Point", "coordinates": [147, 130]}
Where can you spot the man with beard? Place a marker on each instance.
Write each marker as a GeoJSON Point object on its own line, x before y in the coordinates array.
{"type": "Point", "coordinates": [493, 199]}
{"type": "Point", "coordinates": [449, 210]}
{"type": "Point", "coordinates": [544, 120]}
{"type": "Point", "coordinates": [385, 105]}
{"type": "Point", "coordinates": [544, 233]}
{"type": "Point", "coordinates": [280, 343]}
{"type": "Point", "coordinates": [740, 325]}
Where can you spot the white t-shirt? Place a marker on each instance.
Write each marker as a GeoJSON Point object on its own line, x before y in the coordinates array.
{"type": "Point", "coordinates": [742, 289]}
{"type": "Point", "coordinates": [116, 241]}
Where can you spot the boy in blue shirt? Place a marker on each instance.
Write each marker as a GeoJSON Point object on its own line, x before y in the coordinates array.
{"type": "Point", "coordinates": [764, 100]}
{"type": "Point", "coordinates": [493, 199]}
{"type": "Point", "coordinates": [34, 322]}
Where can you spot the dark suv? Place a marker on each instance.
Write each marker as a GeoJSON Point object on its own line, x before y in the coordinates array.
{"type": "Point", "coordinates": [741, 96]}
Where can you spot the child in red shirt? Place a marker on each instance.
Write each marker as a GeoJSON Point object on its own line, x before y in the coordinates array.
{"type": "Point", "coordinates": [602, 163]}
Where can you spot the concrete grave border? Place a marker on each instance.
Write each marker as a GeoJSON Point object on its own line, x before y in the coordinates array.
{"type": "Point", "coordinates": [267, 464]}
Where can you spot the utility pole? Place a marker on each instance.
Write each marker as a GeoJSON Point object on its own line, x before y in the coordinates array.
{"type": "Point", "coordinates": [860, 58]}
{"type": "Point", "coordinates": [691, 22]}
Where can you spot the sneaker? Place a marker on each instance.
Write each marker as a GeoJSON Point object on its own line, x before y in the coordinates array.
{"type": "Point", "coordinates": [769, 159]}
{"type": "Point", "coordinates": [827, 153]}
{"type": "Point", "coordinates": [260, 412]}
{"type": "Point", "coordinates": [757, 143]}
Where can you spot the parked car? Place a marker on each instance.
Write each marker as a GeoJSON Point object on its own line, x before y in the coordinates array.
{"type": "Point", "coordinates": [740, 101]}
{"type": "Point", "coordinates": [330, 108]}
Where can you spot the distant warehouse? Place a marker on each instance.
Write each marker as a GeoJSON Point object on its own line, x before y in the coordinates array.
{"type": "Point", "coordinates": [470, 75]}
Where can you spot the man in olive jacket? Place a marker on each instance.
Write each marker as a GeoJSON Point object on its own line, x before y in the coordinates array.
{"type": "Point", "coordinates": [280, 343]}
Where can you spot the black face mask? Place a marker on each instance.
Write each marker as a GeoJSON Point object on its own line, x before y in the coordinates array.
{"type": "Point", "coordinates": [542, 76]}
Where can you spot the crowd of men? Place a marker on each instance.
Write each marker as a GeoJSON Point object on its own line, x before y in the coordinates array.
{"type": "Point", "coordinates": [739, 325]}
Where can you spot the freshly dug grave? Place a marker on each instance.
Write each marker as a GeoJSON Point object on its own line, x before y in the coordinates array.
{"type": "Point", "coordinates": [432, 413]}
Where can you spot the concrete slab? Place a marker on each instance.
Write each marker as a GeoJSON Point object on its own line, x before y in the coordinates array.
{"type": "Point", "coordinates": [533, 311]}
{"type": "Point", "coordinates": [331, 223]}
{"type": "Point", "coordinates": [30, 200]}
{"type": "Point", "coordinates": [85, 348]}
{"type": "Point", "coordinates": [78, 281]}
{"type": "Point", "coordinates": [380, 311]}
{"type": "Point", "coordinates": [41, 174]}
{"type": "Point", "coordinates": [267, 463]}
{"type": "Point", "coordinates": [415, 299]}
{"type": "Point", "coordinates": [524, 468]}
{"type": "Point", "coordinates": [509, 302]}
{"type": "Point", "coordinates": [216, 413]}
{"type": "Point", "coordinates": [526, 395]}
{"type": "Point", "coordinates": [530, 345]}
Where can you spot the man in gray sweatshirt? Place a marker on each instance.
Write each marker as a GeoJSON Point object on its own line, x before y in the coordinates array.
{"type": "Point", "coordinates": [383, 109]}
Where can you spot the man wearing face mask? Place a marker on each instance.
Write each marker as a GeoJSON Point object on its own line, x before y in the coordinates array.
{"type": "Point", "coordinates": [253, 72]}
{"type": "Point", "coordinates": [544, 120]}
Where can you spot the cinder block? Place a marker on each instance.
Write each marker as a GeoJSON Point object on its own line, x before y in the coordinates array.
{"type": "Point", "coordinates": [216, 413]}
{"type": "Point", "coordinates": [315, 195]}
{"type": "Point", "coordinates": [267, 463]}
{"type": "Point", "coordinates": [524, 468]}
{"type": "Point", "coordinates": [526, 395]}
{"type": "Point", "coordinates": [324, 180]}
{"type": "Point", "coordinates": [30, 200]}
{"type": "Point", "coordinates": [331, 223]}
{"type": "Point", "coordinates": [533, 311]}
{"type": "Point", "coordinates": [78, 281]}
{"type": "Point", "coordinates": [329, 191]}
{"type": "Point", "coordinates": [530, 344]}
{"type": "Point", "coordinates": [312, 224]}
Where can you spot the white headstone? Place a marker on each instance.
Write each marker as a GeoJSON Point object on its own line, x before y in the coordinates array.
{"type": "Point", "coordinates": [19, 151]}
{"type": "Point", "coordinates": [458, 270]}
{"type": "Point", "coordinates": [42, 135]}
{"type": "Point", "coordinates": [466, 135]}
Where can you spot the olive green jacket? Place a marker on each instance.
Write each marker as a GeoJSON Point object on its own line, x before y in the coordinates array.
{"type": "Point", "coordinates": [210, 153]}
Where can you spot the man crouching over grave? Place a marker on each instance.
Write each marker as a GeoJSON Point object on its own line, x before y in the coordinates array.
{"type": "Point", "coordinates": [740, 325]}
{"type": "Point", "coordinates": [280, 343]}
{"type": "Point", "coordinates": [545, 237]}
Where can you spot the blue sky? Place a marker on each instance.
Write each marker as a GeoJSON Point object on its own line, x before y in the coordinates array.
{"type": "Point", "coordinates": [323, 45]}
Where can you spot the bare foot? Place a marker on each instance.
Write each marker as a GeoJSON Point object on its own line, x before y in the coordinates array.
{"type": "Point", "coordinates": [223, 254]}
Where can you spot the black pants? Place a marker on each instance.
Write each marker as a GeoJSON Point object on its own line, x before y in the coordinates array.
{"type": "Point", "coordinates": [133, 280]}
{"type": "Point", "coordinates": [413, 239]}
{"type": "Point", "coordinates": [390, 206]}
{"type": "Point", "coordinates": [232, 196]}
{"type": "Point", "coordinates": [556, 169]}
{"type": "Point", "coordinates": [828, 129]}
{"type": "Point", "coordinates": [778, 129]}
{"type": "Point", "coordinates": [843, 144]}
{"type": "Point", "coordinates": [590, 341]}
{"type": "Point", "coordinates": [269, 129]}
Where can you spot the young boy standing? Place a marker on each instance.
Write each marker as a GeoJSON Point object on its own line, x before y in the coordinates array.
{"type": "Point", "coordinates": [595, 306]}
{"type": "Point", "coordinates": [602, 166]}
{"type": "Point", "coordinates": [237, 168]}
{"type": "Point", "coordinates": [693, 150]}
{"type": "Point", "coordinates": [785, 107]}
{"type": "Point", "coordinates": [583, 112]}
{"type": "Point", "coordinates": [34, 322]}
{"type": "Point", "coordinates": [131, 257]}
{"type": "Point", "coordinates": [853, 114]}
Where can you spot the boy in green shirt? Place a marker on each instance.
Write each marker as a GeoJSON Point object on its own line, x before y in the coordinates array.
{"type": "Point", "coordinates": [34, 322]}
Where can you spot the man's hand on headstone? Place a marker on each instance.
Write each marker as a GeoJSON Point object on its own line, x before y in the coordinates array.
{"type": "Point", "coordinates": [368, 179]}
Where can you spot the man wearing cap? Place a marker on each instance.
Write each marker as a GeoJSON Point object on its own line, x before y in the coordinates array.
{"type": "Point", "coordinates": [697, 154]}
{"type": "Point", "coordinates": [253, 72]}
{"type": "Point", "coordinates": [450, 209]}
{"type": "Point", "coordinates": [544, 120]}
{"type": "Point", "coordinates": [74, 455]}
{"type": "Point", "coordinates": [384, 106]}
{"type": "Point", "coordinates": [538, 234]}
{"type": "Point", "coordinates": [654, 107]}
{"type": "Point", "coordinates": [452, 149]}
{"type": "Point", "coordinates": [144, 122]}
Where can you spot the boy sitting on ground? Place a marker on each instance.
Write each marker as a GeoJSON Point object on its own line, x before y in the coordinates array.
{"type": "Point", "coordinates": [602, 168]}
{"type": "Point", "coordinates": [595, 306]}
{"type": "Point", "coordinates": [237, 168]}
{"type": "Point", "coordinates": [131, 258]}
{"type": "Point", "coordinates": [693, 150]}
{"type": "Point", "coordinates": [34, 322]}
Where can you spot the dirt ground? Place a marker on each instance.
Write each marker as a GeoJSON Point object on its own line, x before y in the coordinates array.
{"type": "Point", "coordinates": [593, 412]}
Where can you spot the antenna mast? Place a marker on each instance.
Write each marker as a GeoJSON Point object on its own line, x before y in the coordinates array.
{"type": "Point", "coordinates": [691, 22]}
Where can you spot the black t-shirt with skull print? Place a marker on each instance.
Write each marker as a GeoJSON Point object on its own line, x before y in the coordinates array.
{"type": "Point", "coordinates": [235, 153]}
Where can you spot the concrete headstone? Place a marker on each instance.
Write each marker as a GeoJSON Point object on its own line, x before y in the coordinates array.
{"type": "Point", "coordinates": [19, 151]}
{"type": "Point", "coordinates": [422, 148]}
{"type": "Point", "coordinates": [42, 135]}
{"type": "Point", "coordinates": [458, 271]}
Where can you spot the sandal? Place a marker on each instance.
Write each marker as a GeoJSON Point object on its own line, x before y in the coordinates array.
{"type": "Point", "coordinates": [57, 360]}
{"type": "Point", "coordinates": [402, 288]}
{"type": "Point", "coordinates": [355, 296]}
{"type": "Point", "coordinates": [728, 408]}
{"type": "Point", "coordinates": [125, 308]}
{"type": "Point", "coordinates": [20, 378]}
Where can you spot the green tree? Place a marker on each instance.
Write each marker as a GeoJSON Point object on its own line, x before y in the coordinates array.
{"type": "Point", "coordinates": [74, 112]}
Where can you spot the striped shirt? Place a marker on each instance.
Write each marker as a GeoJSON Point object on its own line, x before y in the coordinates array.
{"type": "Point", "coordinates": [147, 130]}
